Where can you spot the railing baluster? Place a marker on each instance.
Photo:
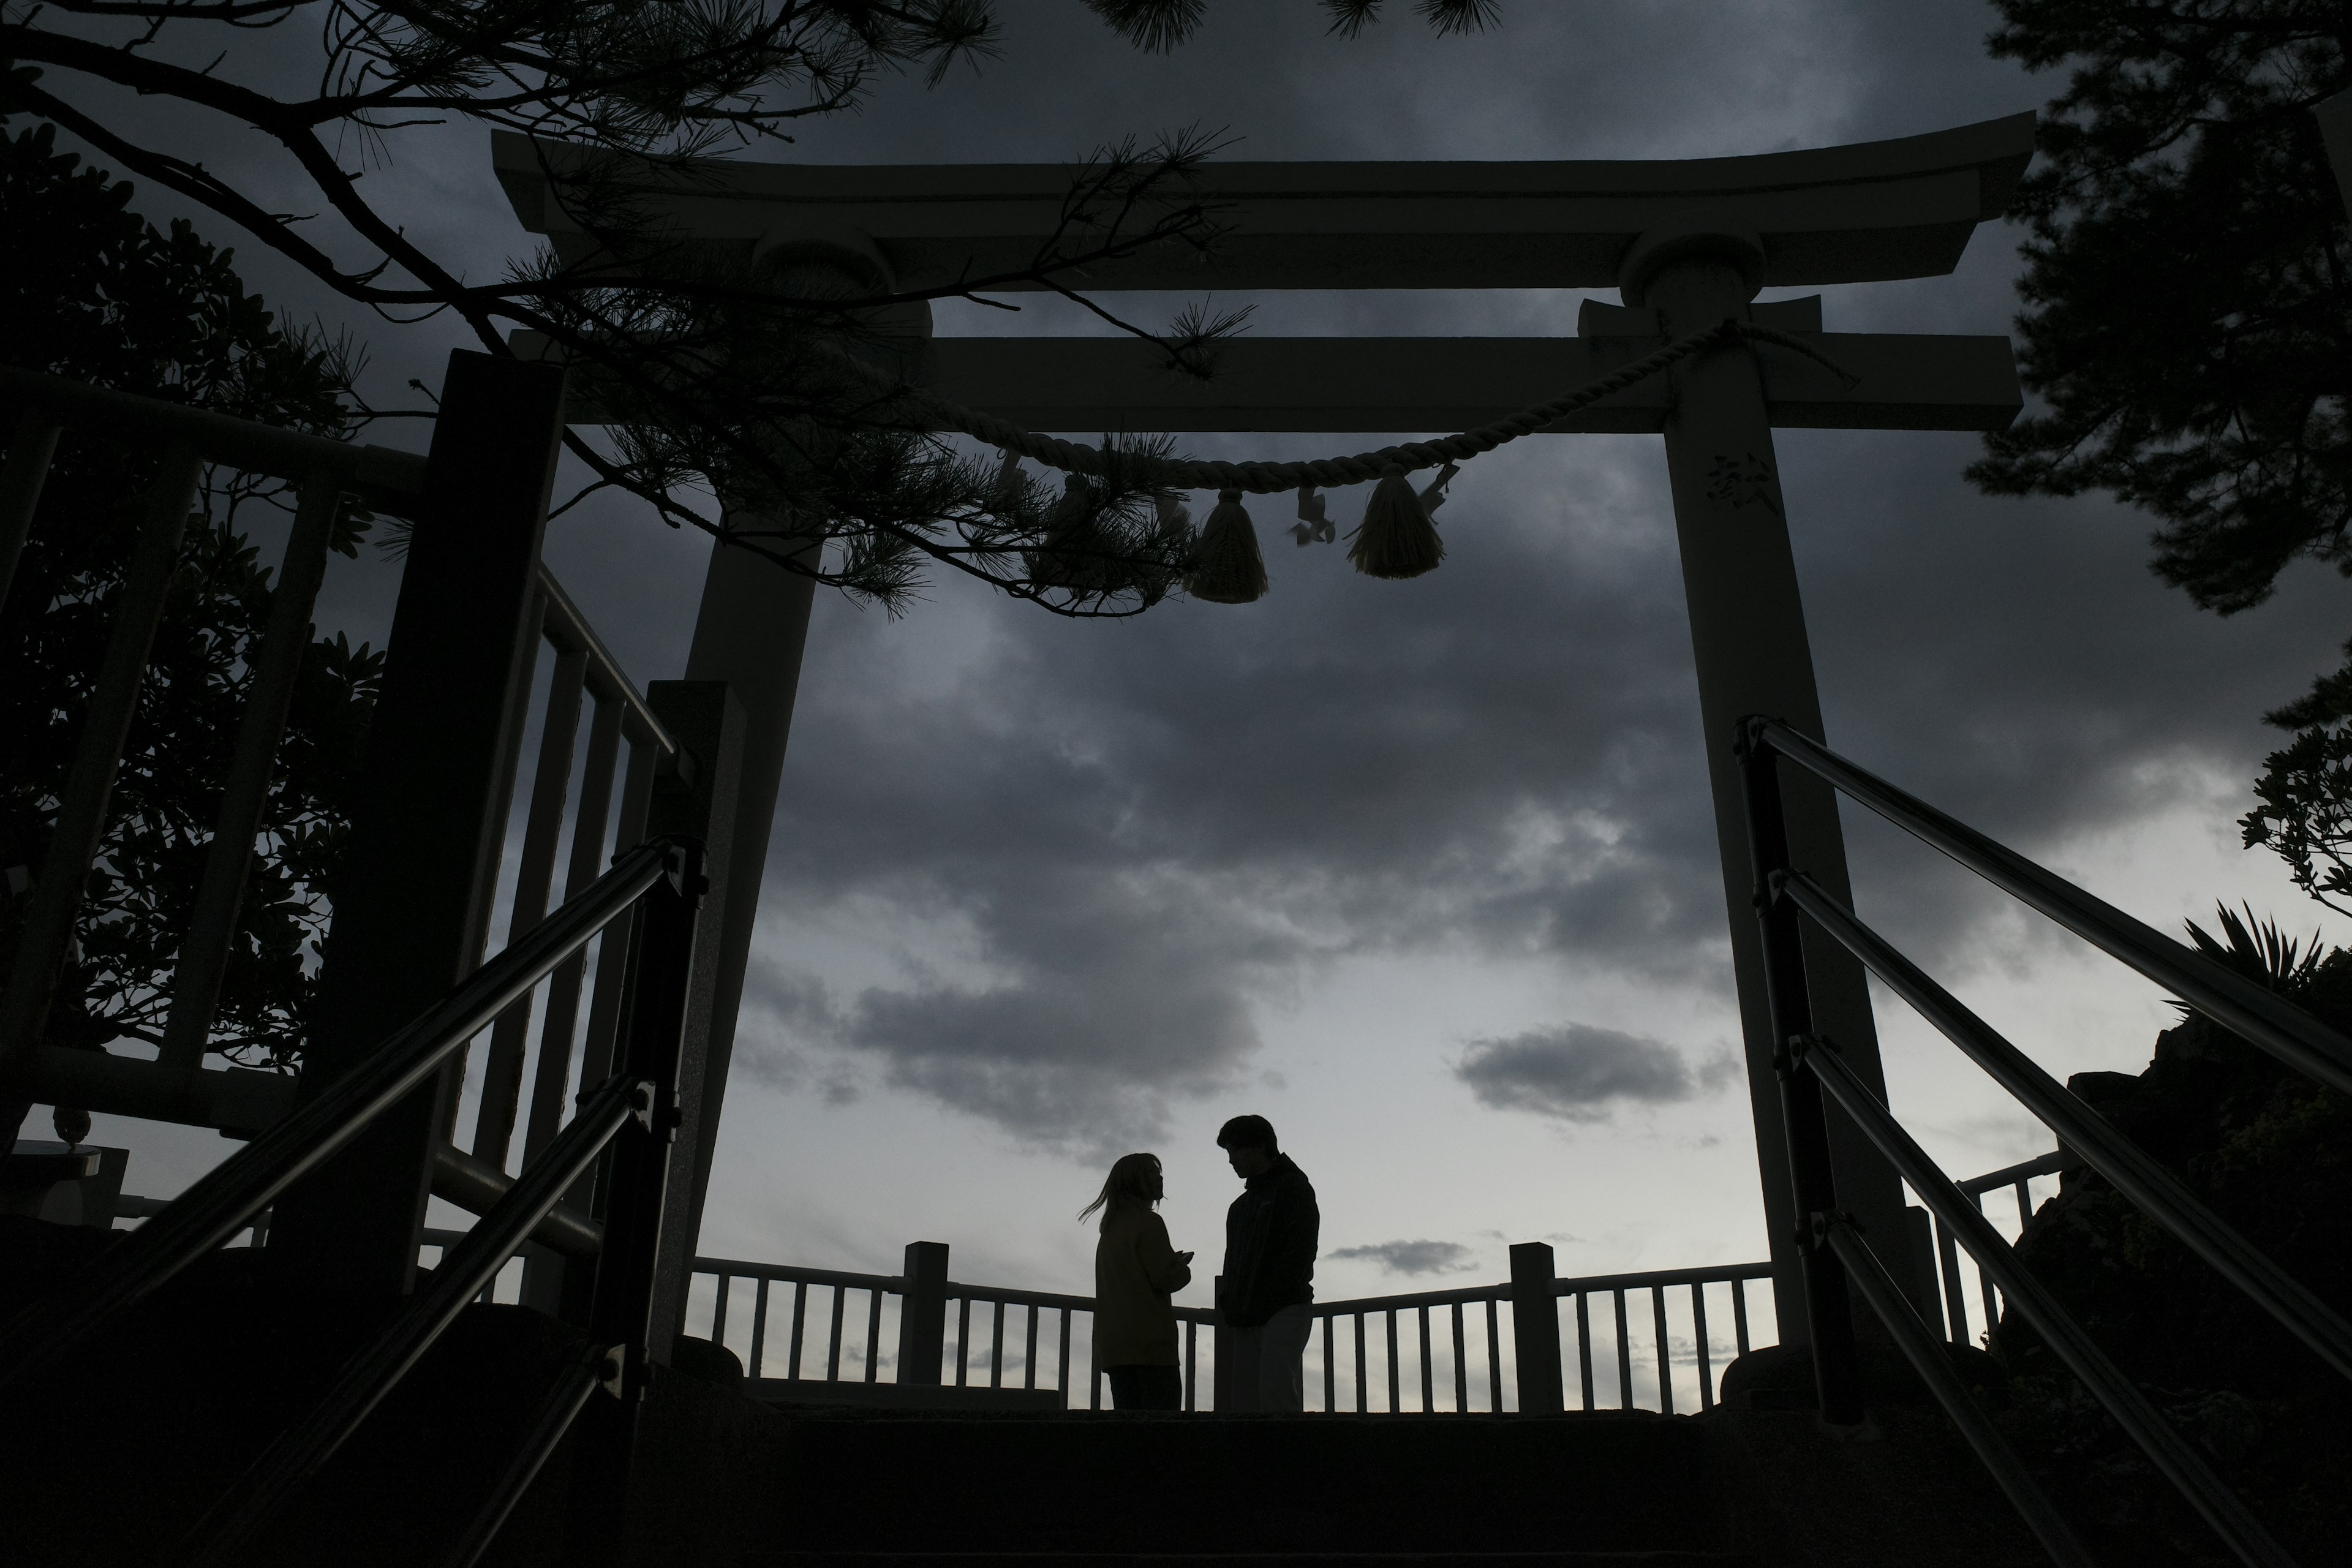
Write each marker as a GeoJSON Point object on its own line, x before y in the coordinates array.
{"type": "Point", "coordinates": [1029, 1351]}
{"type": "Point", "coordinates": [963, 1341]}
{"type": "Point", "coordinates": [874, 1334]}
{"type": "Point", "coordinates": [2024, 1205]}
{"type": "Point", "coordinates": [486, 888]}
{"type": "Point", "coordinates": [1191, 1362]}
{"type": "Point", "coordinates": [613, 951]}
{"type": "Point", "coordinates": [833, 1339]}
{"type": "Point", "coordinates": [1363, 1395]}
{"type": "Point", "coordinates": [1956, 1301]}
{"type": "Point", "coordinates": [590, 826]}
{"type": "Point", "coordinates": [550, 787]}
{"type": "Point", "coordinates": [612, 961]}
{"type": "Point", "coordinates": [210, 929]}
{"type": "Point", "coordinates": [1062, 1373]}
{"type": "Point", "coordinates": [1396, 1394]}
{"type": "Point", "coordinates": [1494, 1356]}
{"type": "Point", "coordinates": [1984, 1280]}
{"type": "Point", "coordinates": [1330, 1371]}
{"type": "Point", "coordinates": [759, 1325]}
{"type": "Point", "coordinates": [80, 823]}
{"type": "Point", "coordinates": [1461, 1365]}
{"type": "Point", "coordinates": [31, 448]}
{"type": "Point", "coordinates": [1428, 1390]}
{"type": "Point", "coordinates": [1094, 1366]}
{"type": "Point", "coordinates": [1666, 1365]}
{"type": "Point", "coordinates": [800, 1316]}
{"type": "Point", "coordinates": [1698, 1332]}
{"type": "Point", "coordinates": [1625, 1354]}
{"type": "Point", "coordinates": [996, 1344]}
{"type": "Point", "coordinates": [718, 1312]}
{"type": "Point", "coordinates": [1584, 1348]}
{"type": "Point", "coordinates": [1739, 1314]}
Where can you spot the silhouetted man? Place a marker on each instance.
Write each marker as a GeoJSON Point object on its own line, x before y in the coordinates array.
{"type": "Point", "coordinates": [1269, 1277]}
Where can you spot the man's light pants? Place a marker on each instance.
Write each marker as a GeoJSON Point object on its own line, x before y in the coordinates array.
{"type": "Point", "coordinates": [1259, 1368]}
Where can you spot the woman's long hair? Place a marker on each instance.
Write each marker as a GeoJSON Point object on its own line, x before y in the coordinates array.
{"type": "Point", "coordinates": [1132, 1183]}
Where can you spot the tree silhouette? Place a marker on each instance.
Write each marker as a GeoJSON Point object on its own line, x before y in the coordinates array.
{"type": "Point", "coordinates": [2188, 310]}
{"type": "Point", "coordinates": [92, 292]}
{"type": "Point", "coordinates": [2189, 325]}
{"type": "Point", "coordinates": [732, 397]}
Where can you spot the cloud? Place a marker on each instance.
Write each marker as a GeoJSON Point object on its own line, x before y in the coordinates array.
{"type": "Point", "coordinates": [1413, 1257]}
{"type": "Point", "coordinates": [1576, 1072]}
{"type": "Point", "coordinates": [1064, 871]}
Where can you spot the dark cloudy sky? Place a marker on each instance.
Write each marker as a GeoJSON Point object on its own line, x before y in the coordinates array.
{"type": "Point", "coordinates": [1421, 870]}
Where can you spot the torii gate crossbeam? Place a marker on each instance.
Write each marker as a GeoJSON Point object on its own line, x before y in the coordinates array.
{"type": "Point", "coordinates": [1686, 243]}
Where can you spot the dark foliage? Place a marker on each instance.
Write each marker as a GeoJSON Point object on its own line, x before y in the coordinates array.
{"type": "Point", "coordinates": [94, 293]}
{"type": "Point", "coordinates": [2188, 316]}
{"type": "Point", "coordinates": [2305, 793]}
{"type": "Point", "coordinates": [2270, 1153]}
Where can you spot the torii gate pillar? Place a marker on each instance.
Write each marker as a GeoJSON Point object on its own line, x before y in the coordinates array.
{"type": "Point", "coordinates": [1748, 636]}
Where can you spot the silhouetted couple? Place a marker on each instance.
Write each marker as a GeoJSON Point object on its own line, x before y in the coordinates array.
{"type": "Point", "coordinates": [1263, 1296]}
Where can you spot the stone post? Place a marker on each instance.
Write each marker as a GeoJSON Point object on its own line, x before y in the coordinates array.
{"type": "Point", "coordinates": [696, 798]}
{"type": "Point", "coordinates": [1747, 637]}
{"type": "Point", "coordinates": [923, 1315]}
{"type": "Point", "coordinates": [411, 899]}
{"type": "Point", "coordinates": [1535, 1328]}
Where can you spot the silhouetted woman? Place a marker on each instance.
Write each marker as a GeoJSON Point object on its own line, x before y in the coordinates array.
{"type": "Point", "coordinates": [1136, 1271]}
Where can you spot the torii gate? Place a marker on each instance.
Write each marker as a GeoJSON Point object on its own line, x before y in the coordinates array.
{"type": "Point", "coordinates": [1687, 243]}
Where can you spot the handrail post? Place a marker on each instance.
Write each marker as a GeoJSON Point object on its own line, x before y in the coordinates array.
{"type": "Point", "coordinates": [923, 1315]}
{"type": "Point", "coordinates": [1535, 1328]}
{"type": "Point", "coordinates": [635, 1188]}
{"type": "Point", "coordinates": [1828, 1313]}
{"type": "Point", "coordinates": [694, 799]}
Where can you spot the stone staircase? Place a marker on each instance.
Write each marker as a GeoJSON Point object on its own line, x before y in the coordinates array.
{"type": "Point", "coordinates": [1767, 1488]}
{"type": "Point", "coordinates": [112, 1458]}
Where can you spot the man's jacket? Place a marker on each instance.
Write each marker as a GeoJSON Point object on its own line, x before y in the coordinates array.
{"type": "Point", "coordinates": [1270, 1234]}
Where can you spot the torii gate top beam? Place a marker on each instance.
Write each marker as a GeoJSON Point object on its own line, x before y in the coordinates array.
{"type": "Point", "coordinates": [1869, 212]}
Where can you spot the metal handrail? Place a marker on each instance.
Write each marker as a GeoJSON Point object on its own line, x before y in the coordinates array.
{"type": "Point", "coordinates": [1926, 1354]}
{"type": "Point", "coordinates": [551, 1421]}
{"type": "Point", "coordinates": [1809, 1068]}
{"type": "Point", "coordinates": [303, 1448]}
{"type": "Point", "coordinates": [2286, 1031]}
{"type": "Point", "coordinates": [223, 1201]}
{"type": "Point", "coordinates": [2157, 1191]}
{"type": "Point", "coordinates": [2167, 1448]}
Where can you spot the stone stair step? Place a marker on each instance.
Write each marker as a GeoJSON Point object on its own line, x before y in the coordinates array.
{"type": "Point", "coordinates": [1257, 1560]}
{"type": "Point", "coordinates": [1081, 1489]}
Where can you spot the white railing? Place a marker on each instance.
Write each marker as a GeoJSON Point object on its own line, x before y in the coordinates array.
{"type": "Point", "coordinates": [804, 1326]}
{"type": "Point", "coordinates": [605, 799]}
{"type": "Point", "coordinates": [175, 1085]}
{"type": "Point", "coordinates": [2019, 1179]}
{"type": "Point", "coordinates": [808, 1327]}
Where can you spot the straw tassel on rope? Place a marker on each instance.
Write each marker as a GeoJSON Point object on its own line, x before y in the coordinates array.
{"type": "Point", "coordinates": [1396, 538]}
{"type": "Point", "coordinates": [1226, 568]}
{"type": "Point", "coordinates": [1073, 555]}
